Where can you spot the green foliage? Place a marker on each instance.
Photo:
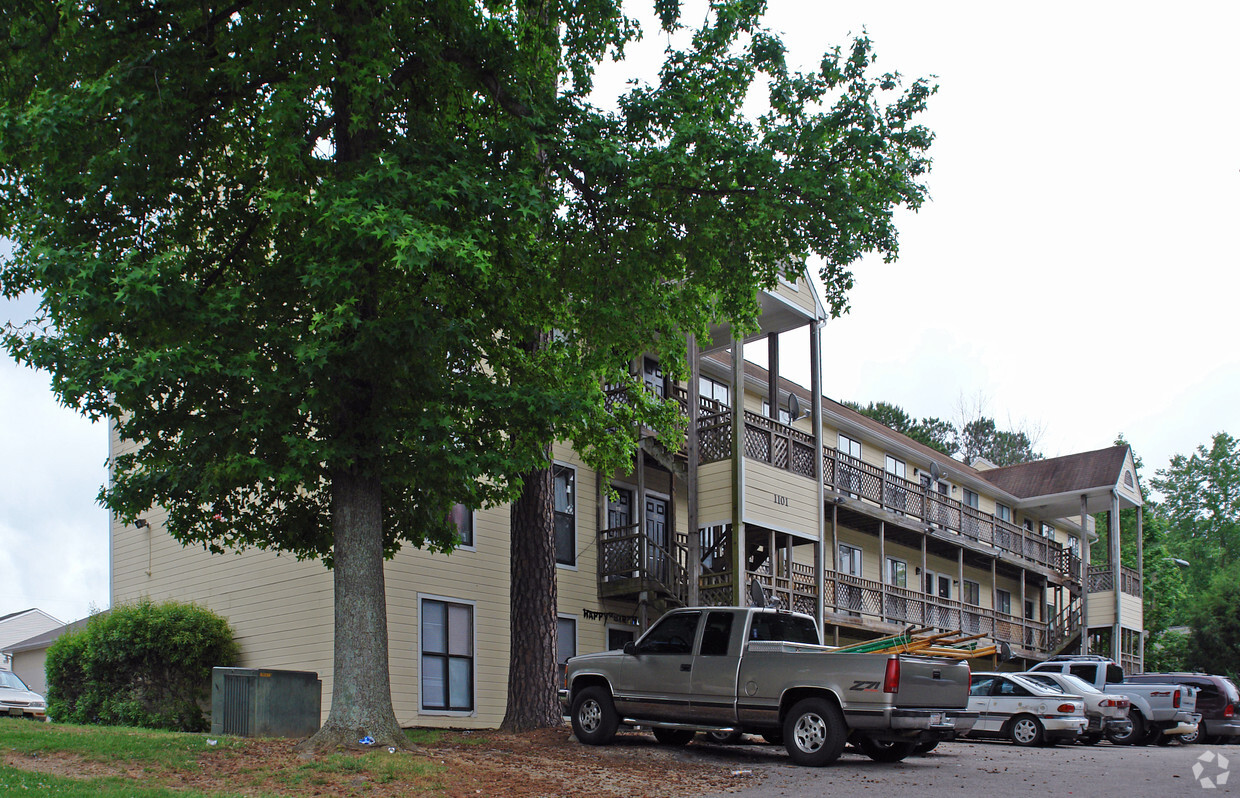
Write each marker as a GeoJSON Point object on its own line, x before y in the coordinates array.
{"type": "Point", "coordinates": [142, 664]}
{"type": "Point", "coordinates": [1167, 652]}
{"type": "Point", "coordinates": [932, 432]}
{"type": "Point", "coordinates": [1213, 644]}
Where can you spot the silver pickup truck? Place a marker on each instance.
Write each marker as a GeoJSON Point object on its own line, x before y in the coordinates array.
{"type": "Point", "coordinates": [1158, 711]}
{"type": "Point", "coordinates": [732, 670]}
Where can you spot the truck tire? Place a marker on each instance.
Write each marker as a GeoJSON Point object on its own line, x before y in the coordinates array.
{"type": "Point", "coordinates": [884, 750]}
{"type": "Point", "coordinates": [1090, 739]}
{"type": "Point", "coordinates": [594, 716]}
{"type": "Point", "coordinates": [926, 747]}
{"type": "Point", "coordinates": [814, 732]}
{"type": "Point", "coordinates": [1026, 730]}
{"type": "Point", "coordinates": [1134, 736]}
{"type": "Point", "coordinates": [724, 738]}
{"type": "Point", "coordinates": [675, 737]}
{"type": "Point", "coordinates": [1192, 737]}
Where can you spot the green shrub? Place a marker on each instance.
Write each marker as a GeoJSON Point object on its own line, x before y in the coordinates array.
{"type": "Point", "coordinates": [141, 664]}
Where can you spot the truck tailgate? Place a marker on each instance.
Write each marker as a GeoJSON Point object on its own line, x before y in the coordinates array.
{"type": "Point", "coordinates": [929, 682]}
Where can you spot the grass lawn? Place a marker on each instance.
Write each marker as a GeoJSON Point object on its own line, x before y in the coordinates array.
{"type": "Point", "coordinates": [102, 762]}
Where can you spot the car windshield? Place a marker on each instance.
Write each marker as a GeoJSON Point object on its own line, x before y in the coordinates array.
{"type": "Point", "coordinates": [9, 680]}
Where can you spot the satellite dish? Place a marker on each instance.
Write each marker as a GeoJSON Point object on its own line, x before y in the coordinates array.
{"type": "Point", "coordinates": [794, 407]}
{"type": "Point", "coordinates": [934, 472]}
{"type": "Point", "coordinates": [757, 595]}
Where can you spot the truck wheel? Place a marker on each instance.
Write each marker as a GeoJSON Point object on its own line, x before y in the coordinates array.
{"type": "Point", "coordinates": [814, 732]}
{"type": "Point", "coordinates": [926, 747]}
{"type": "Point", "coordinates": [724, 738]}
{"type": "Point", "coordinates": [594, 716]}
{"type": "Point", "coordinates": [1192, 738]}
{"type": "Point", "coordinates": [1090, 739]}
{"type": "Point", "coordinates": [885, 750]}
{"type": "Point", "coordinates": [1025, 730]}
{"type": "Point", "coordinates": [1135, 735]}
{"type": "Point", "coordinates": [676, 737]}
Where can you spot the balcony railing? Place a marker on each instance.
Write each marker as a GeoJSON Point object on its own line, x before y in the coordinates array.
{"type": "Point", "coordinates": [868, 600]}
{"type": "Point", "coordinates": [630, 562]}
{"type": "Point", "coordinates": [1103, 579]}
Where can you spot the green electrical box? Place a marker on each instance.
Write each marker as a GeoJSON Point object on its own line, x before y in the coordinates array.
{"type": "Point", "coordinates": [258, 702]}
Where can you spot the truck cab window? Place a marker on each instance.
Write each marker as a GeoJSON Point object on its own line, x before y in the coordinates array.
{"type": "Point", "coordinates": [672, 635]}
{"type": "Point", "coordinates": [716, 635]}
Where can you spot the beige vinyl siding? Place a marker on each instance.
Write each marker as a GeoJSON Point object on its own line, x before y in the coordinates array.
{"type": "Point", "coordinates": [799, 294]}
{"type": "Point", "coordinates": [1102, 609]}
{"type": "Point", "coordinates": [1132, 614]}
{"type": "Point", "coordinates": [715, 493]}
{"type": "Point", "coordinates": [763, 483]}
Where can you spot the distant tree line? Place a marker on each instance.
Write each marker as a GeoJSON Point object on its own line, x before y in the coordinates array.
{"type": "Point", "coordinates": [973, 436]}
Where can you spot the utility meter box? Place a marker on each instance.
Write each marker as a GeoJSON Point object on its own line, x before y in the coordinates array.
{"type": "Point", "coordinates": [258, 702]}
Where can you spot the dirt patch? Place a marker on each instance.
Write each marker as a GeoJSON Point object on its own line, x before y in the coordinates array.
{"type": "Point", "coordinates": [546, 763]}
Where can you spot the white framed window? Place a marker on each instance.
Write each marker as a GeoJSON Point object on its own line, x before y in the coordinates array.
{"type": "Point", "coordinates": [896, 467]}
{"type": "Point", "coordinates": [897, 572]}
{"type": "Point", "coordinates": [849, 446]}
{"type": "Point", "coordinates": [784, 416]}
{"type": "Point", "coordinates": [713, 389]}
{"type": "Point", "coordinates": [565, 644]}
{"type": "Point", "coordinates": [1003, 512]}
{"type": "Point", "coordinates": [972, 593]}
{"type": "Point", "coordinates": [1003, 602]}
{"type": "Point", "coordinates": [446, 657]}
{"type": "Point", "coordinates": [463, 517]}
{"type": "Point", "coordinates": [1047, 531]}
{"type": "Point", "coordinates": [850, 560]}
{"type": "Point", "coordinates": [970, 498]}
{"type": "Point", "coordinates": [617, 636]}
{"type": "Point", "coordinates": [565, 514]}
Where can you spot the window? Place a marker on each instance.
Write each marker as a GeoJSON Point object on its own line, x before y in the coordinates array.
{"type": "Point", "coordinates": [1048, 531]}
{"type": "Point", "coordinates": [782, 626]}
{"type": "Point", "coordinates": [1003, 602]}
{"type": "Point", "coordinates": [848, 477]}
{"type": "Point", "coordinates": [895, 495]}
{"type": "Point", "coordinates": [1007, 687]}
{"type": "Point", "coordinates": [565, 644]}
{"type": "Point", "coordinates": [1074, 547]}
{"type": "Point", "coordinates": [716, 634]}
{"type": "Point", "coordinates": [447, 664]}
{"type": "Point", "coordinates": [463, 517]}
{"type": "Point", "coordinates": [616, 638]}
{"type": "Point", "coordinates": [896, 467]}
{"type": "Point", "coordinates": [1003, 512]}
{"type": "Point", "coordinates": [981, 685]}
{"type": "Point", "coordinates": [565, 515]}
{"type": "Point", "coordinates": [713, 389]}
{"type": "Point", "coordinates": [850, 447]}
{"type": "Point", "coordinates": [897, 572]}
{"type": "Point", "coordinates": [970, 498]}
{"type": "Point", "coordinates": [784, 416]}
{"type": "Point", "coordinates": [972, 593]}
{"type": "Point", "coordinates": [673, 634]}
{"type": "Point", "coordinates": [1029, 524]}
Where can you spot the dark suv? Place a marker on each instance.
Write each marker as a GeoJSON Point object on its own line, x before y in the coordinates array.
{"type": "Point", "coordinates": [1218, 701]}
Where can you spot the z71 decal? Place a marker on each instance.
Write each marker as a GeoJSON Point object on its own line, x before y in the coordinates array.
{"type": "Point", "coordinates": [865, 687]}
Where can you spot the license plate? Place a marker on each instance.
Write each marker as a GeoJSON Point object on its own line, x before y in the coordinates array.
{"type": "Point", "coordinates": [936, 718]}
{"type": "Point", "coordinates": [15, 711]}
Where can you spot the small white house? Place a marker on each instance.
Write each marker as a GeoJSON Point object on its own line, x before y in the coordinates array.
{"type": "Point", "coordinates": [18, 626]}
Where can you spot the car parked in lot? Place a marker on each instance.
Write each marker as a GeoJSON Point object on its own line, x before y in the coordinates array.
{"type": "Point", "coordinates": [1218, 702]}
{"type": "Point", "coordinates": [18, 700]}
{"type": "Point", "coordinates": [1025, 712]}
{"type": "Point", "coordinates": [1106, 712]}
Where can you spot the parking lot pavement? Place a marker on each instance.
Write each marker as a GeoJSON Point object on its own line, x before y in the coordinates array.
{"type": "Point", "coordinates": [992, 769]}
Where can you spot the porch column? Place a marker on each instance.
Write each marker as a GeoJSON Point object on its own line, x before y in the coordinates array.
{"type": "Point", "coordinates": [1024, 626]}
{"type": "Point", "coordinates": [882, 570]}
{"type": "Point", "coordinates": [738, 472]}
{"type": "Point", "coordinates": [772, 375]}
{"type": "Point", "coordinates": [815, 416]}
{"type": "Point", "coordinates": [1116, 564]}
{"type": "Point", "coordinates": [1084, 575]}
{"type": "Point", "coordinates": [694, 537]}
{"type": "Point", "coordinates": [926, 596]}
{"type": "Point", "coordinates": [960, 578]}
{"type": "Point", "coordinates": [1141, 577]}
{"type": "Point", "coordinates": [643, 542]}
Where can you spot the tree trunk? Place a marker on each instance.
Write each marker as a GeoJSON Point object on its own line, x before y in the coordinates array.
{"type": "Point", "coordinates": [532, 699]}
{"type": "Point", "coordinates": [361, 685]}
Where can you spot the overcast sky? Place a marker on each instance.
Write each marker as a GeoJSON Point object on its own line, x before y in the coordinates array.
{"type": "Point", "coordinates": [1076, 268]}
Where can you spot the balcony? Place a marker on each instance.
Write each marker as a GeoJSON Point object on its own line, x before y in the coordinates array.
{"type": "Point", "coordinates": [1102, 580]}
{"type": "Point", "coordinates": [630, 563]}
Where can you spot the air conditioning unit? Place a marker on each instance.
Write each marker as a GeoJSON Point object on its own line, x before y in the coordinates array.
{"type": "Point", "coordinates": [256, 702]}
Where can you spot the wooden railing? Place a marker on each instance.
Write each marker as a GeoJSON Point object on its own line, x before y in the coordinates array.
{"type": "Point", "coordinates": [1102, 580]}
{"type": "Point", "coordinates": [628, 560]}
{"type": "Point", "coordinates": [865, 599]}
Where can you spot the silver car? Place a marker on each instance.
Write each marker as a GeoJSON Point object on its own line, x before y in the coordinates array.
{"type": "Point", "coordinates": [16, 699]}
{"type": "Point", "coordinates": [1025, 712]}
{"type": "Point", "coordinates": [1107, 712]}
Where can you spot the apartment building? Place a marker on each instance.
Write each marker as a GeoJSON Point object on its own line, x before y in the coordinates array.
{"type": "Point", "coordinates": [834, 514]}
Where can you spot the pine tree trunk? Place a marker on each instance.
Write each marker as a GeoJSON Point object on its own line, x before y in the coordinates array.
{"type": "Point", "coordinates": [532, 698]}
{"type": "Point", "coordinates": [361, 684]}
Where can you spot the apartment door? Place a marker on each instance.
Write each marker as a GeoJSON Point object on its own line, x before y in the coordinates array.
{"type": "Point", "coordinates": [939, 586]}
{"type": "Point", "coordinates": [848, 592]}
{"type": "Point", "coordinates": [897, 577]}
{"type": "Point", "coordinates": [658, 561]}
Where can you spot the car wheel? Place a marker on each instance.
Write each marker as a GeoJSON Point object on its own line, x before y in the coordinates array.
{"type": "Point", "coordinates": [925, 748]}
{"type": "Point", "coordinates": [1134, 735]}
{"type": "Point", "coordinates": [1025, 730]}
{"type": "Point", "coordinates": [594, 716]}
{"type": "Point", "coordinates": [724, 738]}
{"type": "Point", "coordinates": [884, 750]}
{"type": "Point", "coordinates": [1090, 739]}
{"type": "Point", "coordinates": [814, 732]}
{"type": "Point", "coordinates": [676, 737]}
{"type": "Point", "coordinates": [1191, 739]}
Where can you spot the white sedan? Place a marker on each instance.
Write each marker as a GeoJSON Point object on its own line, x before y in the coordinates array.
{"type": "Point", "coordinates": [1107, 713]}
{"type": "Point", "coordinates": [17, 700]}
{"type": "Point", "coordinates": [1025, 712]}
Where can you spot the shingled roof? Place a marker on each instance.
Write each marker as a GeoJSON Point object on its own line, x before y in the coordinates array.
{"type": "Point", "coordinates": [1073, 473]}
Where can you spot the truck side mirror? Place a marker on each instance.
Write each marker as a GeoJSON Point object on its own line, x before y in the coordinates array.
{"type": "Point", "coordinates": [630, 647]}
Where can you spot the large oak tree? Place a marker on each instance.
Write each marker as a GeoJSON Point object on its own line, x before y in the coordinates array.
{"type": "Point", "coordinates": [341, 265]}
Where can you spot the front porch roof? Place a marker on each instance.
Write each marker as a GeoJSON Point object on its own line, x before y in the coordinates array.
{"type": "Point", "coordinates": [1053, 488]}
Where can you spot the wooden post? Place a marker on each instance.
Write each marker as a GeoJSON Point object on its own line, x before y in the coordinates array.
{"type": "Point", "coordinates": [694, 535]}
